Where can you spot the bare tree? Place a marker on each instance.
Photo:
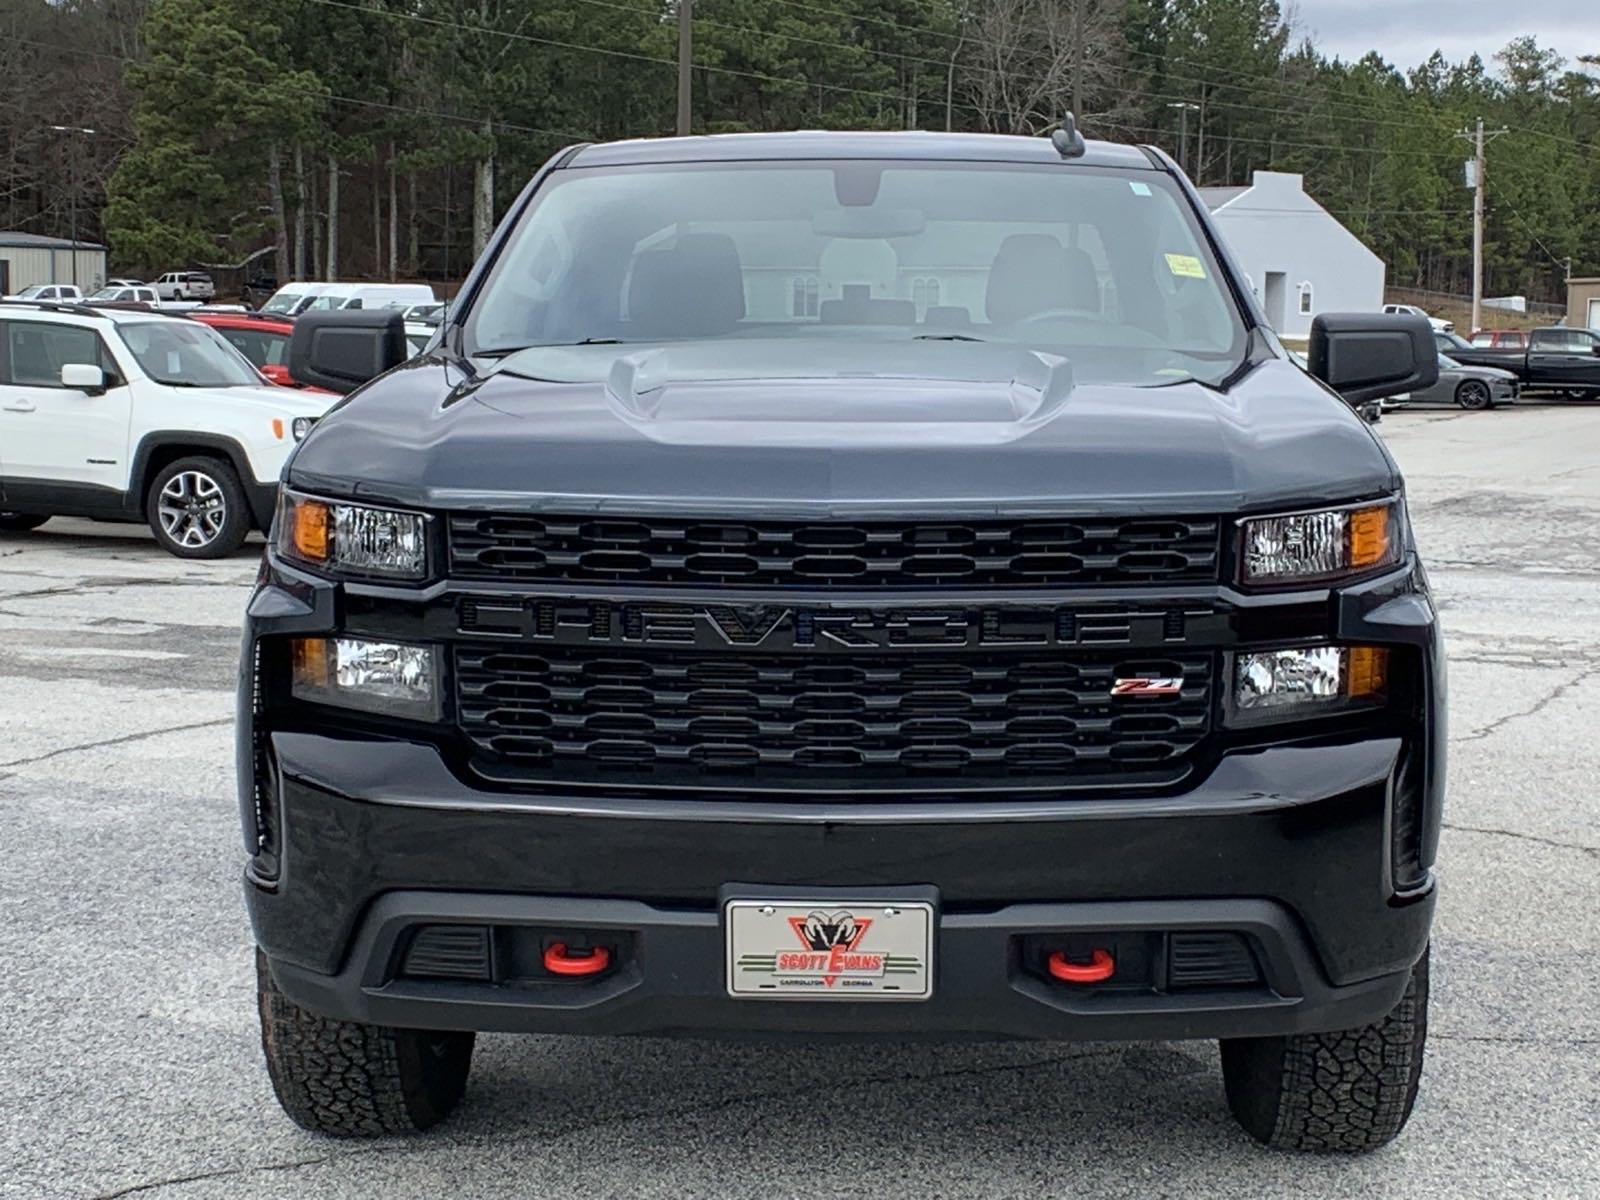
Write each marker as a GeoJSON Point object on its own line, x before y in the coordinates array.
{"type": "Point", "coordinates": [1029, 61]}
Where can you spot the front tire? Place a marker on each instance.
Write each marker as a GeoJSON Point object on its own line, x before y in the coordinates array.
{"type": "Point", "coordinates": [350, 1080]}
{"type": "Point", "coordinates": [20, 522]}
{"type": "Point", "coordinates": [197, 508]}
{"type": "Point", "coordinates": [1348, 1091]}
{"type": "Point", "coordinates": [1474, 395]}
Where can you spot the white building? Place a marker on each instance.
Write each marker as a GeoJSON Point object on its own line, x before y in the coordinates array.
{"type": "Point", "coordinates": [1300, 260]}
{"type": "Point", "coordinates": [28, 258]}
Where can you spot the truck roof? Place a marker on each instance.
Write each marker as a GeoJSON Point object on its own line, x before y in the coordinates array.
{"type": "Point", "coordinates": [810, 144]}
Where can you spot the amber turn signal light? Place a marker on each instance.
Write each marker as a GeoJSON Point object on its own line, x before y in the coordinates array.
{"type": "Point", "coordinates": [309, 529]}
{"type": "Point", "coordinates": [1370, 536]}
{"type": "Point", "coordinates": [1367, 672]}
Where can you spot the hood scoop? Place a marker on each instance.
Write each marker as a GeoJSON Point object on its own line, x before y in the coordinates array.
{"type": "Point", "coordinates": [668, 404]}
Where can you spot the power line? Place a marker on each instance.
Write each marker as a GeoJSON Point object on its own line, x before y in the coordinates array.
{"type": "Point", "coordinates": [354, 101]}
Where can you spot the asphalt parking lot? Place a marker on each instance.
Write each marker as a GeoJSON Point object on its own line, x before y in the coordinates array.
{"type": "Point", "coordinates": [129, 1063]}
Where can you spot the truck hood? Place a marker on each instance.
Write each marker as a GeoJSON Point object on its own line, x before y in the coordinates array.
{"type": "Point", "coordinates": [941, 426]}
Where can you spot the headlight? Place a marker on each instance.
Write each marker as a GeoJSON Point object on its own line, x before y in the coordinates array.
{"type": "Point", "coordinates": [1286, 685]}
{"type": "Point", "coordinates": [301, 427]}
{"type": "Point", "coordinates": [391, 678]}
{"type": "Point", "coordinates": [352, 539]}
{"type": "Point", "coordinates": [1311, 546]}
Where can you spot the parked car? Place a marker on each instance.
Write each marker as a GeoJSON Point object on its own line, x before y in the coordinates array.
{"type": "Point", "coordinates": [257, 289]}
{"type": "Point", "coordinates": [1470, 387]}
{"type": "Point", "coordinates": [262, 338]}
{"type": "Point", "coordinates": [141, 295]}
{"type": "Point", "coordinates": [127, 416]}
{"type": "Point", "coordinates": [1500, 339]}
{"type": "Point", "coordinates": [1449, 343]}
{"type": "Point", "coordinates": [372, 295]}
{"type": "Point", "coordinates": [428, 313]}
{"type": "Point", "coordinates": [60, 293]}
{"type": "Point", "coordinates": [293, 298]}
{"type": "Point", "coordinates": [185, 285]}
{"type": "Point", "coordinates": [1438, 323]}
{"type": "Point", "coordinates": [648, 660]}
{"type": "Point", "coordinates": [1557, 359]}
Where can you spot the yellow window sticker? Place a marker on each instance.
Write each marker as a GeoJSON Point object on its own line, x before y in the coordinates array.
{"type": "Point", "coordinates": [1186, 265]}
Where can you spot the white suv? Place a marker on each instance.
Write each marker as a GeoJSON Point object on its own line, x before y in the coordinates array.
{"type": "Point", "coordinates": [127, 415]}
{"type": "Point", "coordinates": [185, 285]}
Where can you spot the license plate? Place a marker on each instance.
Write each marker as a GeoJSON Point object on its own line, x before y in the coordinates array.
{"type": "Point", "coordinates": [794, 950]}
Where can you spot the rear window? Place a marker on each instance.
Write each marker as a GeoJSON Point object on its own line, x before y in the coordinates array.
{"type": "Point", "coordinates": [1106, 267]}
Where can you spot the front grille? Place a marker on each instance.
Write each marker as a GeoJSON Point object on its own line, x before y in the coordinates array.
{"type": "Point", "coordinates": [857, 723]}
{"type": "Point", "coordinates": [995, 553]}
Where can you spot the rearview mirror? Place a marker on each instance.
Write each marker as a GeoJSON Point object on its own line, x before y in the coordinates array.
{"type": "Point", "coordinates": [341, 349]}
{"type": "Point", "coordinates": [1367, 356]}
{"type": "Point", "coordinates": [83, 377]}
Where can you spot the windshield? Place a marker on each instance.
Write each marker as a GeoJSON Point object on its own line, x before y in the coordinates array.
{"type": "Point", "coordinates": [186, 354]}
{"type": "Point", "coordinates": [1447, 363]}
{"type": "Point", "coordinates": [283, 302]}
{"type": "Point", "coordinates": [1105, 267]}
{"type": "Point", "coordinates": [28, 293]}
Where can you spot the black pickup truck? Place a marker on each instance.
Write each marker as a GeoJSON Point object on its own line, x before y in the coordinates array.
{"type": "Point", "coordinates": [1557, 359]}
{"type": "Point", "coordinates": [826, 586]}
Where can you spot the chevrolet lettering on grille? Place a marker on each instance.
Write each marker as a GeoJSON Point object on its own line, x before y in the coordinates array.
{"type": "Point", "coordinates": [831, 630]}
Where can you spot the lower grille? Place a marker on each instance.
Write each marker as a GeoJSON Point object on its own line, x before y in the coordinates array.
{"type": "Point", "coordinates": [871, 722]}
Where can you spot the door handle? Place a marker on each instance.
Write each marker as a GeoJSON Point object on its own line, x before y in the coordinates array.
{"type": "Point", "coordinates": [18, 406]}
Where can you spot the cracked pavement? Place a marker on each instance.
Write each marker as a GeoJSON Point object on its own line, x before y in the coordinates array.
{"type": "Point", "coordinates": [129, 1063]}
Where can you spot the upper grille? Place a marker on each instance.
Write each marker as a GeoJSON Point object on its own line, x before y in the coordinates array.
{"type": "Point", "coordinates": [994, 553]}
{"type": "Point", "coordinates": [860, 723]}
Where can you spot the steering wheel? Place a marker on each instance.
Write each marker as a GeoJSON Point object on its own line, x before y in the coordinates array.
{"type": "Point", "coordinates": [1048, 315]}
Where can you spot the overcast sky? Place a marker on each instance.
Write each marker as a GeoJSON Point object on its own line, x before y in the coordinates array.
{"type": "Point", "coordinates": [1406, 32]}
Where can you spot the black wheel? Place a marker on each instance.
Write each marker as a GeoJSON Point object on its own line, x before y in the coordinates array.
{"type": "Point", "coordinates": [350, 1080]}
{"type": "Point", "coordinates": [1347, 1091]}
{"type": "Point", "coordinates": [1473, 394]}
{"type": "Point", "coordinates": [197, 508]}
{"type": "Point", "coordinates": [20, 522]}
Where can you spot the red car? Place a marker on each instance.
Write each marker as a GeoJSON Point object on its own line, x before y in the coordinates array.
{"type": "Point", "coordinates": [1501, 339]}
{"type": "Point", "coordinates": [264, 340]}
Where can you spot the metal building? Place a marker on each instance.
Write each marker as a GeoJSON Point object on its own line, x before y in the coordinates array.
{"type": "Point", "coordinates": [28, 258]}
{"type": "Point", "coordinates": [1300, 259]}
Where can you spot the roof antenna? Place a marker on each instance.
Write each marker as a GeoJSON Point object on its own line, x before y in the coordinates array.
{"type": "Point", "coordinates": [1067, 140]}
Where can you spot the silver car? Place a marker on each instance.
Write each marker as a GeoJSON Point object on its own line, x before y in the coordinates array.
{"type": "Point", "coordinates": [1468, 387]}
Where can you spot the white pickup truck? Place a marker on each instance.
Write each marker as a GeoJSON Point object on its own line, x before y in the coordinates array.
{"type": "Point", "coordinates": [130, 415]}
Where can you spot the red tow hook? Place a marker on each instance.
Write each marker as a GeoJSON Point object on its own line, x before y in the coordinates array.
{"type": "Point", "coordinates": [559, 962]}
{"type": "Point", "coordinates": [1098, 969]}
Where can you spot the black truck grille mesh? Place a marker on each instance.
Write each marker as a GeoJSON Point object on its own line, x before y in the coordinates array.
{"type": "Point", "coordinates": [1000, 553]}
{"type": "Point", "coordinates": [869, 722]}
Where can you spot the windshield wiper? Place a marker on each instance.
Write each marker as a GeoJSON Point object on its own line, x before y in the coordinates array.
{"type": "Point", "coordinates": [947, 337]}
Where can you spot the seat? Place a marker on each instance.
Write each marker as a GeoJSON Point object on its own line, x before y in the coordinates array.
{"type": "Point", "coordinates": [694, 288]}
{"type": "Point", "coordinates": [31, 363]}
{"type": "Point", "coordinates": [1034, 273]}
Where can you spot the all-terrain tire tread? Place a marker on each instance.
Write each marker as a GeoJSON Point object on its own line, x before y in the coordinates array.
{"type": "Point", "coordinates": [351, 1080]}
{"type": "Point", "coordinates": [1343, 1092]}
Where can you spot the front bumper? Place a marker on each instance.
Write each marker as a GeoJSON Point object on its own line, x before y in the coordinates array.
{"type": "Point", "coordinates": [1286, 847]}
{"type": "Point", "coordinates": [1293, 846]}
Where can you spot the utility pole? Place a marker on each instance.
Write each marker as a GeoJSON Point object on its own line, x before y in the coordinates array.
{"type": "Point", "coordinates": [685, 54]}
{"type": "Point", "coordinates": [1478, 139]}
{"type": "Point", "coordinates": [1184, 109]}
{"type": "Point", "coordinates": [73, 200]}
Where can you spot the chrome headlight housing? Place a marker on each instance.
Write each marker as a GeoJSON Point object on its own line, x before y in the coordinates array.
{"type": "Point", "coordinates": [1295, 683]}
{"type": "Point", "coordinates": [351, 539]}
{"type": "Point", "coordinates": [1321, 545]}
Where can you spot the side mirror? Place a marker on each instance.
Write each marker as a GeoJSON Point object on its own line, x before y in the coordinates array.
{"type": "Point", "coordinates": [1367, 356]}
{"type": "Point", "coordinates": [340, 349]}
{"type": "Point", "coordinates": [83, 377]}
